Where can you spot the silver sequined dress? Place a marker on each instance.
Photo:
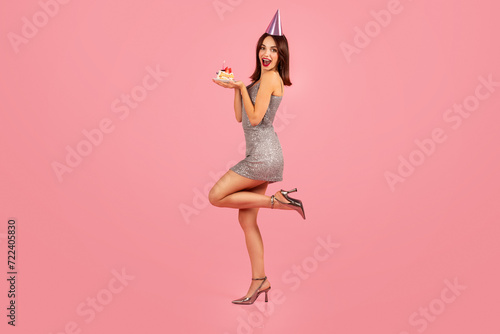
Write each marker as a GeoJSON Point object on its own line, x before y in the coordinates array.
{"type": "Point", "coordinates": [264, 158]}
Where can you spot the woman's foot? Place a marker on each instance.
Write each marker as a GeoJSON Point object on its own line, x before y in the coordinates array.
{"type": "Point", "coordinates": [278, 196]}
{"type": "Point", "coordinates": [254, 292]}
{"type": "Point", "coordinates": [281, 200]}
{"type": "Point", "coordinates": [255, 284]}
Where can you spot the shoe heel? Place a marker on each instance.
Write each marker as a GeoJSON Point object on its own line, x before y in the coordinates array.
{"type": "Point", "coordinates": [250, 300]}
{"type": "Point", "coordinates": [296, 204]}
{"type": "Point", "coordinates": [284, 192]}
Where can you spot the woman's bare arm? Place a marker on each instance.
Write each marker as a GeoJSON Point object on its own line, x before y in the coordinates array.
{"type": "Point", "coordinates": [237, 104]}
{"type": "Point", "coordinates": [268, 82]}
{"type": "Point", "coordinates": [257, 112]}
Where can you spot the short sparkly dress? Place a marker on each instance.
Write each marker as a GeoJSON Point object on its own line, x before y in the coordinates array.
{"type": "Point", "coordinates": [264, 158]}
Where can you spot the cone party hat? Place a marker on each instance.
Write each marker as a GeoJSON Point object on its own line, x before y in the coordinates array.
{"type": "Point", "coordinates": [274, 27]}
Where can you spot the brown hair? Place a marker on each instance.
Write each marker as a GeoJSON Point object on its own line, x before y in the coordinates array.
{"type": "Point", "coordinates": [283, 61]}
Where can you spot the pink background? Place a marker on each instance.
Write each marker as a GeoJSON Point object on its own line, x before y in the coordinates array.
{"type": "Point", "coordinates": [136, 204]}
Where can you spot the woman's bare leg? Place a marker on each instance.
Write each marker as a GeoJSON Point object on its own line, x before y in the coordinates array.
{"type": "Point", "coordinates": [248, 222]}
{"type": "Point", "coordinates": [232, 191]}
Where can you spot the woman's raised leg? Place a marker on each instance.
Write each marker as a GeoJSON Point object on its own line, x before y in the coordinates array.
{"type": "Point", "coordinates": [232, 191]}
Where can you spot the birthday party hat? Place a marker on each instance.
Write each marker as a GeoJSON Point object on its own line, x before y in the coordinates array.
{"type": "Point", "coordinates": [274, 27]}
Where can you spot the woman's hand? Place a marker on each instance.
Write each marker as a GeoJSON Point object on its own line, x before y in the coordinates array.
{"type": "Point", "coordinates": [230, 84]}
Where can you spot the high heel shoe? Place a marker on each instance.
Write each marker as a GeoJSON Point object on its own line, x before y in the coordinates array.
{"type": "Point", "coordinates": [295, 204]}
{"type": "Point", "coordinates": [253, 297]}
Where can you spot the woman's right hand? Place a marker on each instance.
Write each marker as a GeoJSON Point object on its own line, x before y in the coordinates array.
{"type": "Point", "coordinates": [231, 84]}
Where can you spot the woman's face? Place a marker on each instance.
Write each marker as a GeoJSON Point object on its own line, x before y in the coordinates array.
{"type": "Point", "coordinates": [268, 54]}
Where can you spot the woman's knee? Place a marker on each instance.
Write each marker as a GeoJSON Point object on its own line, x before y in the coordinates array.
{"type": "Point", "coordinates": [214, 196]}
{"type": "Point", "coordinates": [219, 190]}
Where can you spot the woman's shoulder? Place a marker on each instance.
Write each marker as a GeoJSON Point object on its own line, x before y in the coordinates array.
{"type": "Point", "coordinates": [271, 77]}
{"type": "Point", "coordinates": [268, 78]}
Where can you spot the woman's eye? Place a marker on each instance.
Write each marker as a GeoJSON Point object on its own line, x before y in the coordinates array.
{"type": "Point", "coordinates": [275, 50]}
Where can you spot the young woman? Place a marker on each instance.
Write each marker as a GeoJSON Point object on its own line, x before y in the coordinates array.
{"type": "Point", "coordinates": [244, 185]}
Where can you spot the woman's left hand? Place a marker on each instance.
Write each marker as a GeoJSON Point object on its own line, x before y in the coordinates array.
{"type": "Point", "coordinates": [230, 84]}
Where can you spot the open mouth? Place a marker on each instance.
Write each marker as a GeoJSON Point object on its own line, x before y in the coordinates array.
{"type": "Point", "coordinates": [266, 62]}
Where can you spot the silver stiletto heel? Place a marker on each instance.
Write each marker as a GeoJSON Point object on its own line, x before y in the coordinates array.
{"type": "Point", "coordinates": [250, 300]}
{"type": "Point", "coordinates": [295, 204]}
